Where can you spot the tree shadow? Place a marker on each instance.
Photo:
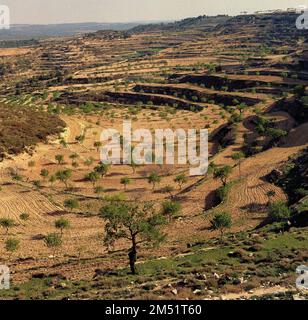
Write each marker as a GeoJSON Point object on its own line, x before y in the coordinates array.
{"type": "Point", "coordinates": [38, 237]}
{"type": "Point", "coordinates": [211, 200]}
{"type": "Point", "coordinates": [136, 190]}
{"type": "Point", "coordinates": [255, 207]}
{"type": "Point", "coordinates": [57, 213]}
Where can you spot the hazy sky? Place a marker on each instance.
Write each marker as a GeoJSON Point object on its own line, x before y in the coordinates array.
{"type": "Point", "coordinates": [57, 11]}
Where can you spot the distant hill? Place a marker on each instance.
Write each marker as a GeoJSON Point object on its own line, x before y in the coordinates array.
{"type": "Point", "coordinates": [266, 27]}
{"type": "Point", "coordinates": [108, 35]}
{"type": "Point", "coordinates": [205, 23]}
{"type": "Point", "coordinates": [22, 32]}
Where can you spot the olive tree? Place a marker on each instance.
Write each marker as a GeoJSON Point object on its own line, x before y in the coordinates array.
{"type": "Point", "coordinates": [7, 223]}
{"type": "Point", "coordinates": [154, 179]}
{"type": "Point", "coordinates": [64, 176]}
{"type": "Point", "coordinates": [71, 204]}
{"type": "Point", "coordinates": [170, 208]}
{"type": "Point", "coordinates": [279, 211]}
{"type": "Point", "coordinates": [93, 177]}
{"type": "Point", "coordinates": [180, 180]}
{"type": "Point", "coordinates": [221, 222]}
{"type": "Point", "coordinates": [238, 157]}
{"type": "Point", "coordinates": [62, 224]}
{"type": "Point", "coordinates": [53, 241]}
{"type": "Point", "coordinates": [136, 223]}
{"type": "Point", "coordinates": [102, 169]}
{"type": "Point", "coordinates": [125, 181]}
{"type": "Point", "coordinates": [59, 158]}
{"type": "Point", "coordinates": [44, 174]}
{"type": "Point", "coordinates": [223, 174]}
{"type": "Point", "coordinates": [11, 245]}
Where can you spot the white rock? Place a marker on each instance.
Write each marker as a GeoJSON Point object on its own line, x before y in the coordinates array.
{"type": "Point", "coordinates": [175, 291]}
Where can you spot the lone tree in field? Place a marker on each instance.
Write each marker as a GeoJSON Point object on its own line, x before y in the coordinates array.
{"type": "Point", "coordinates": [221, 222]}
{"type": "Point", "coordinates": [170, 209]}
{"type": "Point", "coordinates": [223, 174]}
{"type": "Point", "coordinates": [44, 174]}
{"type": "Point", "coordinates": [11, 245]}
{"type": "Point", "coordinates": [136, 223]}
{"type": "Point", "coordinates": [59, 158]}
{"type": "Point", "coordinates": [93, 177]}
{"type": "Point", "coordinates": [71, 204]}
{"type": "Point", "coordinates": [270, 194]}
{"type": "Point", "coordinates": [64, 176]}
{"type": "Point", "coordinates": [7, 223]}
{"type": "Point", "coordinates": [180, 180]}
{"type": "Point", "coordinates": [53, 241]}
{"type": "Point", "coordinates": [125, 181]}
{"type": "Point", "coordinates": [238, 157]}
{"type": "Point", "coordinates": [154, 179]}
{"type": "Point", "coordinates": [62, 224]}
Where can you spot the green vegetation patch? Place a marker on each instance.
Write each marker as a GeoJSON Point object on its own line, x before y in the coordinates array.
{"type": "Point", "coordinates": [23, 127]}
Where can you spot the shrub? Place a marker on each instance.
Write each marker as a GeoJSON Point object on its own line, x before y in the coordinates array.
{"type": "Point", "coordinates": [24, 216]}
{"type": "Point", "coordinates": [170, 208]}
{"type": "Point", "coordinates": [221, 222]}
{"type": "Point", "coordinates": [125, 181]}
{"type": "Point", "coordinates": [22, 127]}
{"type": "Point", "coordinates": [12, 245]}
{"type": "Point", "coordinates": [71, 204]}
{"type": "Point", "coordinates": [62, 224]}
{"type": "Point", "coordinates": [53, 241]}
{"type": "Point", "coordinates": [154, 178]}
{"type": "Point", "coordinates": [279, 211]}
{"type": "Point", "coordinates": [7, 223]}
{"type": "Point", "coordinates": [223, 191]}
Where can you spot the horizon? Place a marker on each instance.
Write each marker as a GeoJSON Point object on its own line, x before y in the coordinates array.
{"type": "Point", "coordinates": [93, 22]}
{"type": "Point", "coordinates": [41, 12]}
{"type": "Point", "coordinates": [140, 21]}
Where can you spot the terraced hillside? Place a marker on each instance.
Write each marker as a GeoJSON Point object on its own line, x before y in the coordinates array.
{"type": "Point", "coordinates": [242, 78]}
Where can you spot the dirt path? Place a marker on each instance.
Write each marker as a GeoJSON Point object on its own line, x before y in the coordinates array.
{"type": "Point", "coordinates": [255, 293]}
